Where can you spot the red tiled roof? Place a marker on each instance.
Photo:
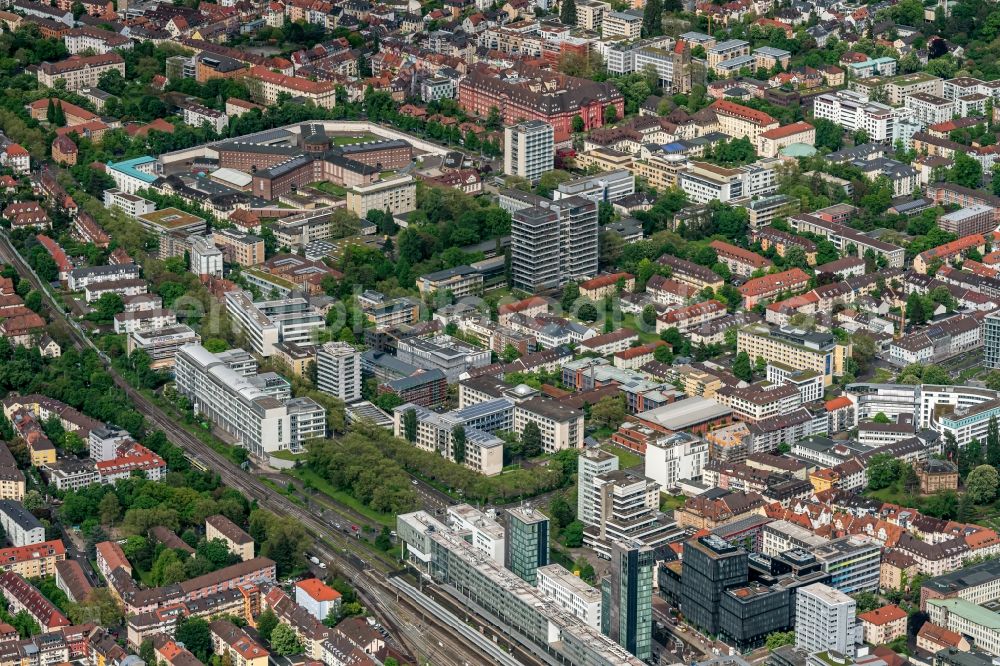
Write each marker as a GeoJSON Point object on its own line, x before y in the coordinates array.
{"type": "Point", "coordinates": [745, 112]}
{"type": "Point", "coordinates": [883, 615]}
{"type": "Point", "coordinates": [787, 130]}
{"type": "Point", "coordinates": [775, 282]}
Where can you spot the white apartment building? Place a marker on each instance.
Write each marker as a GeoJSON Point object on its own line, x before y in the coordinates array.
{"type": "Point", "coordinates": [81, 278]}
{"type": "Point", "coordinates": [621, 24]}
{"type": "Point", "coordinates": [854, 111]}
{"type": "Point", "coordinates": [929, 109]}
{"type": "Point", "coordinates": [825, 620]}
{"type": "Point", "coordinates": [144, 320]}
{"type": "Point", "coordinates": [162, 343]}
{"type": "Point", "coordinates": [483, 451]}
{"type": "Point", "coordinates": [397, 194]}
{"type": "Point", "coordinates": [20, 525]}
{"type": "Point", "coordinates": [607, 186]}
{"type": "Point", "coordinates": [570, 593]}
{"type": "Point", "coordinates": [265, 323]}
{"type": "Point", "coordinates": [780, 535]}
{"type": "Point", "coordinates": [129, 204]}
{"type": "Point", "coordinates": [206, 258]}
{"type": "Point", "coordinates": [95, 40]}
{"type": "Point", "coordinates": [79, 71]}
{"type": "Point", "coordinates": [561, 426]}
{"type": "Point", "coordinates": [197, 115]}
{"type": "Point", "coordinates": [704, 182]}
{"type": "Point", "coordinates": [338, 371]}
{"type": "Point", "coordinates": [592, 462]}
{"type": "Point", "coordinates": [671, 459]}
{"type": "Point", "coordinates": [244, 405]}
{"type": "Point", "coordinates": [529, 149]}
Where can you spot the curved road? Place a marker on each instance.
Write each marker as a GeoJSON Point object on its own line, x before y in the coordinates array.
{"type": "Point", "coordinates": [330, 545]}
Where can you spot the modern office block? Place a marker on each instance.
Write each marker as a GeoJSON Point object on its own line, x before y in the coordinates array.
{"type": "Point", "coordinates": [338, 371]}
{"type": "Point", "coordinates": [825, 620]}
{"type": "Point", "coordinates": [854, 563]}
{"type": "Point", "coordinates": [629, 597]}
{"type": "Point", "coordinates": [529, 149]}
{"type": "Point", "coordinates": [991, 340]}
{"type": "Point", "coordinates": [711, 566]}
{"type": "Point", "coordinates": [527, 542]}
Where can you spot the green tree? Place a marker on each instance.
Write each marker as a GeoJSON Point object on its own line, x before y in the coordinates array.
{"type": "Point", "coordinates": [266, 624]}
{"type": "Point", "coordinates": [649, 316]}
{"type": "Point", "coordinates": [609, 412]}
{"type": "Point", "coordinates": [778, 639]}
{"type": "Point", "coordinates": [567, 13]}
{"type": "Point", "coordinates": [883, 470]}
{"type": "Point", "coordinates": [531, 440]}
{"type": "Point", "coordinates": [966, 171]}
{"type": "Point", "coordinates": [108, 305]}
{"type": "Point", "coordinates": [828, 134]}
{"type": "Point", "coordinates": [410, 425]}
{"type": "Point", "coordinates": [562, 511]}
{"type": "Point", "coordinates": [194, 632]}
{"type": "Point", "coordinates": [458, 443]}
{"type": "Point", "coordinates": [578, 124]}
{"type": "Point", "coordinates": [570, 294]}
{"type": "Point", "coordinates": [981, 484]}
{"type": "Point", "coordinates": [510, 354]}
{"type": "Point", "coordinates": [588, 313]}
{"type": "Point", "coordinates": [742, 367]}
{"type": "Point", "coordinates": [652, 18]}
{"type": "Point", "coordinates": [573, 534]}
{"type": "Point", "coordinates": [662, 354]}
{"type": "Point", "coordinates": [993, 442]}
{"type": "Point", "coordinates": [284, 641]}
{"type": "Point", "coordinates": [915, 309]}
{"type": "Point", "coordinates": [610, 114]}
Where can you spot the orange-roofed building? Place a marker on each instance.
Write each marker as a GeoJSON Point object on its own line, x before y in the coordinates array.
{"type": "Point", "coordinates": [933, 639]}
{"type": "Point", "coordinates": [16, 158]}
{"type": "Point", "coordinates": [606, 285]}
{"type": "Point", "coordinates": [738, 260]}
{"type": "Point", "coordinates": [58, 255]}
{"type": "Point", "coordinates": [882, 625]}
{"type": "Point", "coordinates": [741, 121]}
{"type": "Point", "coordinates": [32, 561]}
{"type": "Point", "coordinates": [529, 307]}
{"type": "Point", "coordinates": [823, 479]}
{"type": "Point", "coordinates": [772, 141]}
{"type": "Point", "coordinates": [110, 556]}
{"type": "Point", "coordinates": [769, 286]}
{"type": "Point", "coordinates": [316, 597]}
{"type": "Point", "coordinates": [322, 93]}
{"type": "Point", "coordinates": [953, 250]}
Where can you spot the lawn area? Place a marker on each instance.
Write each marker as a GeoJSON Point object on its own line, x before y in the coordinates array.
{"type": "Point", "coordinates": [319, 483]}
{"type": "Point", "coordinates": [329, 188]}
{"type": "Point", "coordinates": [671, 502]}
{"type": "Point", "coordinates": [645, 337]}
{"type": "Point", "coordinates": [358, 138]}
{"type": "Point", "coordinates": [288, 455]}
{"type": "Point", "coordinates": [626, 459]}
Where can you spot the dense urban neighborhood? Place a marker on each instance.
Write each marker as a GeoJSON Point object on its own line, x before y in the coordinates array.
{"type": "Point", "coordinates": [516, 332]}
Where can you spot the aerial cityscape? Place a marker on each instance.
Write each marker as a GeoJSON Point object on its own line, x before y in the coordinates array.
{"type": "Point", "coordinates": [499, 332]}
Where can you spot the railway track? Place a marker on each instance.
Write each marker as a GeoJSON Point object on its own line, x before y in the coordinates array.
{"type": "Point", "coordinates": [331, 546]}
